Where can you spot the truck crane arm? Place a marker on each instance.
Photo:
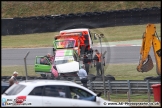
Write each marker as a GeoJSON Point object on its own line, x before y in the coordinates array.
{"type": "Point", "coordinates": [150, 39]}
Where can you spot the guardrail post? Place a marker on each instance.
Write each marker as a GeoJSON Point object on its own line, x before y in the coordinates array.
{"type": "Point", "coordinates": [74, 80]}
{"type": "Point", "coordinates": [129, 87]}
{"type": "Point", "coordinates": [108, 95]}
{"type": "Point", "coordinates": [148, 96]}
{"type": "Point", "coordinates": [148, 88]}
{"type": "Point", "coordinates": [128, 95]}
{"type": "Point", "coordinates": [90, 84]}
{"type": "Point", "coordinates": [109, 86]}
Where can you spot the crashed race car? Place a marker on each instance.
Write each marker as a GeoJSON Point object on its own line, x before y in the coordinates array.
{"type": "Point", "coordinates": [65, 63]}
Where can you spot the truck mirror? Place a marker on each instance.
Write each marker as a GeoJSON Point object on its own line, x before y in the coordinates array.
{"type": "Point", "coordinates": [102, 35]}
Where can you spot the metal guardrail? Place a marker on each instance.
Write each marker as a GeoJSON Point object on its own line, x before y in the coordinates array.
{"type": "Point", "coordinates": [124, 86]}
{"type": "Point", "coordinates": [114, 87]}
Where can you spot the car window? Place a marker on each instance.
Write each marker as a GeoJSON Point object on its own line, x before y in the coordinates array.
{"type": "Point", "coordinates": [44, 61]}
{"type": "Point", "coordinates": [15, 89]}
{"type": "Point", "coordinates": [55, 91]}
{"type": "Point", "coordinates": [60, 62]}
{"type": "Point", "coordinates": [78, 93]}
{"type": "Point", "coordinates": [37, 91]}
{"type": "Point", "coordinates": [38, 60]}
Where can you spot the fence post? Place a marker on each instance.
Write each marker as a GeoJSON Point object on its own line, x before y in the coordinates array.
{"type": "Point", "coordinates": [129, 87]}
{"type": "Point", "coordinates": [109, 86]}
{"type": "Point", "coordinates": [128, 95]}
{"type": "Point", "coordinates": [25, 65]}
{"type": "Point", "coordinates": [108, 95]}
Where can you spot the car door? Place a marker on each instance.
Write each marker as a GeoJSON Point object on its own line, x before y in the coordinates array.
{"type": "Point", "coordinates": [53, 97]}
{"type": "Point", "coordinates": [81, 97]}
{"type": "Point", "coordinates": [39, 67]}
{"type": "Point", "coordinates": [35, 97]}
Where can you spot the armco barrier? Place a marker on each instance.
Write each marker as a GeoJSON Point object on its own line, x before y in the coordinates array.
{"type": "Point", "coordinates": [54, 23]}
{"type": "Point", "coordinates": [117, 86]}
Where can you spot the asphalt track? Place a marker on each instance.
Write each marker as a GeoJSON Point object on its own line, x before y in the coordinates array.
{"type": "Point", "coordinates": [115, 54]}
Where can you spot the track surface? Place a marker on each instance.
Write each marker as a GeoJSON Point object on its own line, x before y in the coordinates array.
{"type": "Point", "coordinates": [114, 55]}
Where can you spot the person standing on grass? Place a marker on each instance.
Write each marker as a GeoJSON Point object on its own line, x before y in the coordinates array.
{"type": "Point", "coordinates": [86, 62]}
{"type": "Point", "coordinates": [83, 76]}
{"type": "Point", "coordinates": [13, 79]}
{"type": "Point", "coordinates": [97, 62]}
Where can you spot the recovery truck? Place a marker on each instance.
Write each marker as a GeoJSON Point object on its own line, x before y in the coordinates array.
{"type": "Point", "coordinates": [69, 48]}
{"type": "Point", "coordinates": [150, 39]}
{"type": "Point", "coordinates": [78, 39]}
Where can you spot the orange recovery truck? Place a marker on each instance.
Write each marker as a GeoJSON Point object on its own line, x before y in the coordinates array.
{"type": "Point", "coordinates": [78, 39]}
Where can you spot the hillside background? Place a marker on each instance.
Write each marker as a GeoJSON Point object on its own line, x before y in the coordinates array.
{"type": "Point", "coordinates": [11, 9]}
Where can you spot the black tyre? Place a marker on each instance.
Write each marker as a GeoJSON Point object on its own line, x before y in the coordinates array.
{"type": "Point", "coordinates": [148, 78]}
{"type": "Point", "coordinates": [109, 77]}
{"type": "Point", "coordinates": [153, 78]}
{"type": "Point", "coordinates": [91, 77]}
{"type": "Point", "coordinates": [98, 78]}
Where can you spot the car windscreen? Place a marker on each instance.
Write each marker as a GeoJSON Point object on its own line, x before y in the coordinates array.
{"type": "Point", "coordinates": [14, 89]}
{"type": "Point", "coordinates": [65, 44]}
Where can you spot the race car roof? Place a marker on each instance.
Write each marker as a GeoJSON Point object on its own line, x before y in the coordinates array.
{"type": "Point", "coordinates": [64, 52]}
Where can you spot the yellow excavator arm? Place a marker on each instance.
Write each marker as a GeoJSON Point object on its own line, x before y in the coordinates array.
{"type": "Point", "coordinates": [150, 39]}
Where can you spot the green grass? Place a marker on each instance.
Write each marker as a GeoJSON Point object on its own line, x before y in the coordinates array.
{"type": "Point", "coordinates": [119, 71]}
{"type": "Point", "coordinates": [119, 33]}
{"type": "Point", "coordinates": [133, 97]}
{"type": "Point", "coordinates": [123, 98]}
{"type": "Point", "coordinates": [10, 9]}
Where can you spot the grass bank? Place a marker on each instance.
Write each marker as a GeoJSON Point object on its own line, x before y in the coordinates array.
{"type": "Point", "coordinates": [119, 33]}
{"type": "Point", "coordinates": [10, 9]}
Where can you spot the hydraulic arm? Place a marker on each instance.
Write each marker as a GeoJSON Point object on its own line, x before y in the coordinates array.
{"type": "Point", "coordinates": [150, 39]}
